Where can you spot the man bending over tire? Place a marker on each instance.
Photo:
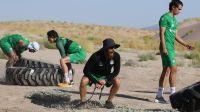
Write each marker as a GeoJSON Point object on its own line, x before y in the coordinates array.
{"type": "Point", "coordinates": [13, 45]}
{"type": "Point", "coordinates": [70, 51]}
{"type": "Point", "coordinates": [102, 69]}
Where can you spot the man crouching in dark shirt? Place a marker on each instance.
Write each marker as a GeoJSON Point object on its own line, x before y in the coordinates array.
{"type": "Point", "coordinates": [102, 69]}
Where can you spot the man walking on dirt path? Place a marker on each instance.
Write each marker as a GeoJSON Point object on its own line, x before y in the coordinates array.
{"type": "Point", "coordinates": [13, 45]}
{"type": "Point", "coordinates": [70, 51]}
{"type": "Point", "coordinates": [168, 35]}
{"type": "Point", "coordinates": [102, 69]}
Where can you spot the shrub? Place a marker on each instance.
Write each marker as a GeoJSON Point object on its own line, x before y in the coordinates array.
{"type": "Point", "coordinates": [146, 57]}
{"type": "Point", "coordinates": [2, 55]}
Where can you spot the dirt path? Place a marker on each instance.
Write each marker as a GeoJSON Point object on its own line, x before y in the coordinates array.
{"type": "Point", "coordinates": [139, 84]}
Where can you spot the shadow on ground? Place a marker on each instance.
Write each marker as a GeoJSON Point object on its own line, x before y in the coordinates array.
{"type": "Point", "coordinates": [104, 94]}
{"type": "Point", "coordinates": [59, 100]}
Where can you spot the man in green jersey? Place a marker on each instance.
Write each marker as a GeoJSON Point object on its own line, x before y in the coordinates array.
{"type": "Point", "coordinates": [13, 45]}
{"type": "Point", "coordinates": [70, 51]}
{"type": "Point", "coordinates": [168, 35]}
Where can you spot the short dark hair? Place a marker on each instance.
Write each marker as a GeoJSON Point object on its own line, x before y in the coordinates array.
{"type": "Point", "coordinates": [175, 3]}
{"type": "Point", "coordinates": [52, 33]}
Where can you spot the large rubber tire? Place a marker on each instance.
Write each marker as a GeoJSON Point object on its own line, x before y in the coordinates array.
{"type": "Point", "coordinates": [29, 63]}
{"type": "Point", "coordinates": [40, 76]}
{"type": "Point", "coordinates": [34, 73]}
{"type": "Point", "coordinates": [187, 99]}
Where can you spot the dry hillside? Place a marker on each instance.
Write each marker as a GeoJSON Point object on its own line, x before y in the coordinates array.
{"type": "Point", "coordinates": [39, 28]}
{"type": "Point", "coordinates": [190, 29]}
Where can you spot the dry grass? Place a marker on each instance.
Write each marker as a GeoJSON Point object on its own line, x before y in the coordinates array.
{"type": "Point", "coordinates": [88, 36]}
{"type": "Point", "coordinates": [39, 29]}
{"type": "Point", "coordinates": [2, 55]}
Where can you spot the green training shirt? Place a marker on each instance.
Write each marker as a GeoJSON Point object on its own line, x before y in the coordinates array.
{"type": "Point", "coordinates": [170, 24]}
{"type": "Point", "coordinates": [73, 48]}
{"type": "Point", "coordinates": [14, 39]}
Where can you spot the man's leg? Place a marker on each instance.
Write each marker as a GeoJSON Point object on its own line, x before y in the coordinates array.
{"type": "Point", "coordinates": [162, 82]}
{"type": "Point", "coordinates": [63, 62]}
{"type": "Point", "coordinates": [70, 72]}
{"type": "Point", "coordinates": [114, 89]}
{"type": "Point", "coordinates": [83, 88]}
{"type": "Point", "coordinates": [172, 79]}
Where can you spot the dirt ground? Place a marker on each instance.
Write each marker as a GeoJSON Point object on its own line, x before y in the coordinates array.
{"type": "Point", "coordinates": [137, 91]}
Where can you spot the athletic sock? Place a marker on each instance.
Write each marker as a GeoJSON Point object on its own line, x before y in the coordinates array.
{"type": "Point", "coordinates": [66, 78]}
{"type": "Point", "coordinates": [70, 75]}
{"type": "Point", "coordinates": [172, 90]}
{"type": "Point", "coordinates": [160, 92]}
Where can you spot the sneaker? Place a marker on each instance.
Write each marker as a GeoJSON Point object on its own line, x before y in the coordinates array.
{"type": "Point", "coordinates": [64, 84]}
{"type": "Point", "coordinates": [81, 105]}
{"type": "Point", "coordinates": [160, 100]}
{"type": "Point", "coordinates": [109, 105]}
{"type": "Point", "coordinates": [71, 82]}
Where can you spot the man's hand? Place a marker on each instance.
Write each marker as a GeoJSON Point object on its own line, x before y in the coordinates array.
{"type": "Point", "coordinates": [165, 51]}
{"type": "Point", "coordinates": [15, 59]}
{"type": "Point", "coordinates": [99, 86]}
{"type": "Point", "coordinates": [102, 82]}
{"type": "Point", "coordinates": [189, 47]}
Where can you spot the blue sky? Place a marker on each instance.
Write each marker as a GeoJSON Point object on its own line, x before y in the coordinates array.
{"type": "Point", "coordinates": [127, 13]}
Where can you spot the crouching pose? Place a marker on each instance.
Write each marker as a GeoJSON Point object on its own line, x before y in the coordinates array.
{"type": "Point", "coordinates": [70, 51]}
{"type": "Point", "coordinates": [13, 45]}
{"type": "Point", "coordinates": [102, 69]}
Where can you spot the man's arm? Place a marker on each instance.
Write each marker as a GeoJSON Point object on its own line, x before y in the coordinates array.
{"type": "Point", "coordinates": [162, 39]}
{"type": "Point", "coordinates": [117, 65]}
{"type": "Point", "coordinates": [89, 66]}
{"type": "Point", "coordinates": [182, 42]}
{"type": "Point", "coordinates": [61, 49]}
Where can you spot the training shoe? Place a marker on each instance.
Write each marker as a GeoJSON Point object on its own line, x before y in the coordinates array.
{"type": "Point", "coordinates": [64, 84]}
{"type": "Point", "coordinates": [109, 105]}
{"type": "Point", "coordinates": [81, 105]}
{"type": "Point", "coordinates": [160, 100]}
{"type": "Point", "coordinates": [71, 82]}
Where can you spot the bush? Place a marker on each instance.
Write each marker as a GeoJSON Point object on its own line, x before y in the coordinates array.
{"type": "Point", "coordinates": [2, 55]}
{"type": "Point", "coordinates": [146, 57]}
{"type": "Point", "coordinates": [194, 55]}
{"type": "Point", "coordinates": [131, 63]}
{"type": "Point", "coordinates": [45, 44]}
{"type": "Point", "coordinates": [142, 43]}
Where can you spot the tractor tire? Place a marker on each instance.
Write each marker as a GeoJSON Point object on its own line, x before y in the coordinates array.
{"type": "Point", "coordinates": [34, 73]}
{"type": "Point", "coordinates": [34, 76]}
{"type": "Point", "coordinates": [187, 99]}
{"type": "Point", "coordinates": [29, 63]}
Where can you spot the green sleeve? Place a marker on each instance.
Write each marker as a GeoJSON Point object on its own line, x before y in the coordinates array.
{"type": "Point", "coordinates": [163, 22]}
{"type": "Point", "coordinates": [61, 48]}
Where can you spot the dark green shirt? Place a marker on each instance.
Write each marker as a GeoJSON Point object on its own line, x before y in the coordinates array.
{"type": "Point", "coordinates": [73, 48]}
{"type": "Point", "coordinates": [98, 65]}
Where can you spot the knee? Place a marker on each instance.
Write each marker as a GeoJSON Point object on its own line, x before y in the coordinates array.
{"type": "Point", "coordinates": [174, 70]}
{"type": "Point", "coordinates": [61, 60]}
{"type": "Point", "coordinates": [64, 60]}
{"type": "Point", "coordinates": [84, 81]}
{"type": "Point", "coordinates": [117, 82]}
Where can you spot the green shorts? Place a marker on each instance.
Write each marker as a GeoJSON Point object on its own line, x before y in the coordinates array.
{"type": "Point", "coordinates": [78, 57]}
{"type": "Point", "coordinates": [168, 60]}
{"type": "Point", "coordinates": [96, 78]}
{"type": "Point", "coordinates": [6, 47]}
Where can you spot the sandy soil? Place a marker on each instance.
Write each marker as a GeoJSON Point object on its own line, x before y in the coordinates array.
{"type": "Point", "coordinates": [139, 84]}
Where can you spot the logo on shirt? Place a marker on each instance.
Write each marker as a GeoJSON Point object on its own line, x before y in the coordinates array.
{"type": "Point", "coordinates": [111, 62]}
{"type": "Point", "coordinates": [100, 63]}
{"type": "Point", "coordinates": [173, 61]}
